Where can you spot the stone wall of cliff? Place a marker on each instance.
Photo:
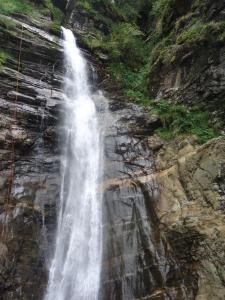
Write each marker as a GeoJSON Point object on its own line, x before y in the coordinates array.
{"type": "Point", "coordinates": [184, 43]}
{"type": "Point", "coordinates": [162, 49]}
{"type": "Point", "coordinates": [30, 75]}
{"type": "Point", "coordinates": [158, 49]}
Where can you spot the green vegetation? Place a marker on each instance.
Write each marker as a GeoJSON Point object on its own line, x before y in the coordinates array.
{"type": "Point", "coordinates": [161, 7]}
{"type": "Point", "coordinates": [106, 10]}
{"type": "Point", "coordinates": [94, 39]}
{"type": "Point", "coordinates": [135, 50]}
{"type": "Point", "coordinates": [165, 50]}
{"type": "Point", "coordinates": [7, 23]}
{"type": "Point", "coordinates": [121, 39]}
{"type": "Point", "coordinates": [128, 56]}
{"type": "Point", "coordinates": [125, 44]}
{"type": "Point", "coordinates": [132, 82]}
{"type": "Point", "coordinates": [200, 31]}
{"type": "Point", "coordinates": [56, 15]}
{"type": "Point", "coordinates": [3, 58]}
{"type": "Point", "coordinates": [28, 7]}
{"type": "Point", "coordinates": [13, 6]}
{"type": "Point", "coordinates": [177, 120]}
{"type": "Point", "coordinates": [128, 59]}
{"type": "Point", "coordinates": [18, 6]}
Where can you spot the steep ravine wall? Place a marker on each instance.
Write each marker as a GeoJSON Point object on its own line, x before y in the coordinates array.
{"type": "Point", "coordinates": [191, 209]}
{"type": "Point", "coordinates": [190, 206]}
{"type": "Point", "coordinates": [163, 202]}
{"type": "Point", "coordinates": [187, 65]}
{"type": "Point", "coordinates": [29, 108]}
{"type": "Point", "coordinates": [184, 60]}
{"type": "Point", "coordinates": [138, 262]}
{"type": "Point", "coordinates": [137, 259]}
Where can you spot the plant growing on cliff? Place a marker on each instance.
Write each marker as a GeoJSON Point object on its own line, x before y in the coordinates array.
{"type": "Point", "coordinates": [94, 39]}
{"type": "Point", "coordinates": [132, 82]}
{"type": "Point", "coordinates": [160, 7]}
{"type": "Point", "coordinates": [17, 6]}
{"type": "Point", "coordinates": [56, 16]}
{"type": "Point", "coordinates": [123, 10]}
{"type": "Point", "coordinates": [136, 52]}
{"type": "Point", "coordinates": [199, 31]}
{"type": "Point", "coordinates": [3, 58]}
{"type": "Point", "coordinates": [125, 44]}
{"type": "Point", "coordinates": [34, 10]}
{"type": "Point", "coordinates": [177, 119]}
{"type": "Point", "coordinates": [128, 58]}
{"type": "Point", "coordinates": [7, 23]}
{"type": "Point", "coordinates": [56, 13]}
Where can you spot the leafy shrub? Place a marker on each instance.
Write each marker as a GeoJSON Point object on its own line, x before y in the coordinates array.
{"type": "Point", "coordinates": [159, 7]}
{"type": "Point", "coordinates": [122, 40]}
{"type": "Point", "coordinates": [162, 50]}
{"type": "Point", "coordinates": [132, 82]}
{"type": "Point", "coordinates": [177, 119]}
{"type": "Point", "coordinates": [125, 44]}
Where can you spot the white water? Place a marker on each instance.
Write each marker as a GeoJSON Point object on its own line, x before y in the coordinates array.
{"type": "Point", "coordinates": [75, 269]}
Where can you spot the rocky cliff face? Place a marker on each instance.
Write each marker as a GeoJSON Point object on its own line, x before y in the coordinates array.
{"type": "Point", "coordinates": [138, 262]}
{"type": "Point", "coordinates": [29, 108]}
{"type": "Point", "coordinates": [137, 259]}
{"type": "Point", "coordinates": [191, 209]}
{"type": "Point", "coordinates": [184, 60]}
{"type": "Point", "coordinates": [188, 63]}
{"type": "Point", "coordinates": [163, 225]}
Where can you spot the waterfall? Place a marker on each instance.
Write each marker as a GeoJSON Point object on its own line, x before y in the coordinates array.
{"type": "Point", "coordinates": [76, 265]}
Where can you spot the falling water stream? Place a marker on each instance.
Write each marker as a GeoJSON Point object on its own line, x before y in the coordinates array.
{"type": "Point", "coordinates": [75, 268]}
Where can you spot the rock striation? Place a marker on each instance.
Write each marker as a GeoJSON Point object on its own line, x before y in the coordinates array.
{"type": "Point", "coordinates": [29, 113]}
{"type": "Point", "coordinates": [188, 64]}
{"type": "Point", "coordinates": [191, 209]}
{"type": "Point", "coordinates": [163, 204]}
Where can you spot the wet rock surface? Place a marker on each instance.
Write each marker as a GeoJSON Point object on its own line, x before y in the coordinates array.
{"type": "Point", "coordinates": [163, 204]}
{"type": "Point", "coordinates": [191, 209]}
{"type": "Point", "coordinates": [138, 262]}
{"type": "Point", "coordinates": [29, 184]}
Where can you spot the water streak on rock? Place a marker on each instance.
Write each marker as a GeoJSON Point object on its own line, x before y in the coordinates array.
{"type": "Point", "coordinates": [75, 269]}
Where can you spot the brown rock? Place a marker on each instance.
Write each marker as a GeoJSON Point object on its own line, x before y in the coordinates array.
{"type": "Point", "coordinates": [192, 198]}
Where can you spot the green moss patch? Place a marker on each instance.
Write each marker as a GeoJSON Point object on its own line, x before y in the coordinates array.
{"type": "Point", "coordinates": [3, 58]}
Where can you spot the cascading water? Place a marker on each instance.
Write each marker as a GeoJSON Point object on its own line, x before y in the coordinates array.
{"type": "Point", "coordinates": [76, 265]}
